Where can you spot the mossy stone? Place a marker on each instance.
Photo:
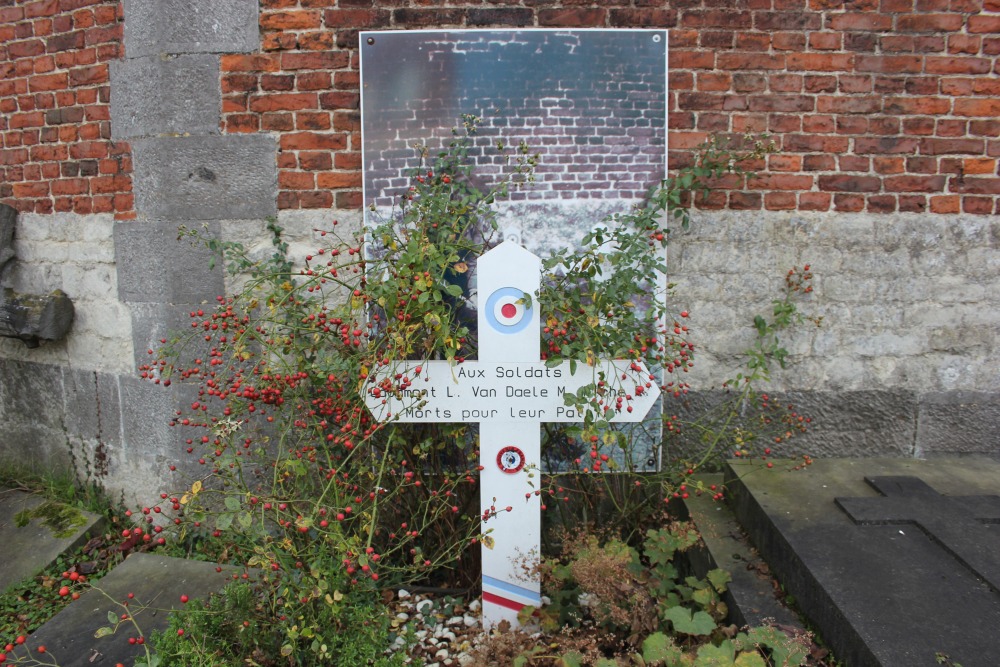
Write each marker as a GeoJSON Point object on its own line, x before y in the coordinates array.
{"type": "Point", "coordinates": [62, 519]}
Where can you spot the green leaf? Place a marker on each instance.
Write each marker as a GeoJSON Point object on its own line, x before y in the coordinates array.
{"type": "Point", "coordinates": [103, 632]}
{"type": "Point", "coordinates": [571, 659]}
{"type": "Point", "coordinates": [232, 503]}
{"type": "Point", "coordinates": [703, 597]}
{"type": "Point", "coordinates": [658, 648]}
{"type": "Point", "coordinates": [698, 623]}
{"type": "Point", "coordinates": [750, 660]}
{"type": "Point", "coordinates": [525, 614]}
{"type": "Point", "coordinates": [224, 521]}
{"type": "Point", "coordinates": [112, 618]}
{"type": "Point", "coordinates": [719, 579]}
{"type": "Point", "coordinates": [710, 655]}
{"type": "Point", "coordinates": [785, 651]}
{"type": "Point", "coordinates": [454, 290]}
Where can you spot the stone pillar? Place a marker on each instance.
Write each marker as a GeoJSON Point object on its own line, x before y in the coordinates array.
{"type": "Point", "coordinates": [166, 102]}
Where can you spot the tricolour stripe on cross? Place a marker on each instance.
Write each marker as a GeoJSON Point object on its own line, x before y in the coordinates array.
{"type": "Point", "coordinates": [507, 594]}
{"type": "Point", "coordinates": [502, 602]}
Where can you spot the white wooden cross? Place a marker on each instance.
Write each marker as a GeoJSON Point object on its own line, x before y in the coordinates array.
{"type": "Point", "coordinates": [510, 392]}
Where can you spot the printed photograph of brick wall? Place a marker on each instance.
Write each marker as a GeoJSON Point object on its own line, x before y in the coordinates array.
{"type": "Point", "coordinates": [591, 103]}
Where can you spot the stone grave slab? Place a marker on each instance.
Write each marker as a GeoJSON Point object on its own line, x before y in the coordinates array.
{"type": "Point", "coordinates": [31, 548]}
{"type": "Point", "coordinates": [895, 561]}
{"type": "Point", "coordinates": [750, 594]}
{"type": "Point", "coordinates": [157, 583]}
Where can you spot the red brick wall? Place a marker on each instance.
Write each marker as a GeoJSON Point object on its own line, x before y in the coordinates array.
{"type": "Point", "coordinates": [876, 105]}
{"type": "Point", "coordinates": [55, 128]}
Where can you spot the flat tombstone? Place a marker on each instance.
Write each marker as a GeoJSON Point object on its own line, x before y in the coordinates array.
{"type": "Point", "coordinates": [510, 392]}
{"type": "Point", "coordinates": [893, 561]}
{"type": "Point", "coordinates": [30, 548]}
{"type": "Point", "coordinates": [956, 523]}
{"type": "Point", "coordinates": [74, 638]}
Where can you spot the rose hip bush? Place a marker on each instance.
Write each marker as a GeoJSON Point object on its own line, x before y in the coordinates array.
{"type": "Point", "coordinates": [327, 506]}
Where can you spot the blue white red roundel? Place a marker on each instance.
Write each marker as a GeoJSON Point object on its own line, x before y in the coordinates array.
{"type": "Point", "coordinates": [506, 311]}
{"type": "Point", "coordinates": [510, 460]}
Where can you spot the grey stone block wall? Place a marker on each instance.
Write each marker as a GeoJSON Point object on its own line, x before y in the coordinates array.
{"type": "Point", "coordinates": [906, 360]}
{"type": "Point", "coordinates": [164, 268]}
{"type": "Point", "coordinates": [154, 322]}
{"type": "Point", "coordinates": [8, 223]}
{"type": "Point", "coordinates": [909, 301]}
{"type": "Point", "coordinates": [151, 446]}
{"type": "Point", "coordinates": [93, 406]}
{"type": "Point", "coordinates": [205, 177]}
{"type": "Point", "coordinates": [886, 423]}
{"type": "Point", "coordinates": [166, 101]}
{"type": "Point", "coordinates": [957, 423]}
{"type": "Point", "coordinates": [190, 26]}
{"type": "Point", "coordinates": [75, 254]}
{"type": "Point", "coordinates": [55, 416]}
{"type": "Point", "coordinates": [161, 95]}
{"type": "Point", "coordinates": [111, 428]}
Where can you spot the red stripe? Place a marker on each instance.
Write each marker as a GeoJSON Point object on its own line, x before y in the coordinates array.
{"type": "Point", "coordinates": [503, 602]}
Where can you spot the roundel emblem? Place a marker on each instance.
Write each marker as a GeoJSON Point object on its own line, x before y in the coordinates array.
{"type": "Point", "coordinates": [510, 460]}
{"type": "Point", "coordinates": [506, 311]}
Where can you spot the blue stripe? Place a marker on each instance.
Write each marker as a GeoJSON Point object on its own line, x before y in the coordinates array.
{"type": "Point", "coordinates": [510, 588]}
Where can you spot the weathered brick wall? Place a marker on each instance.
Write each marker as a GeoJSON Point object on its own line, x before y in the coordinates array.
{"type": "Point", "coordinates": [55, 129]}
{"type": "Point", "coordinates": [876, 106]}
